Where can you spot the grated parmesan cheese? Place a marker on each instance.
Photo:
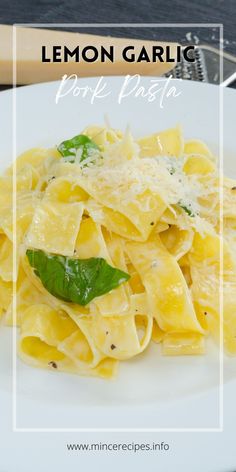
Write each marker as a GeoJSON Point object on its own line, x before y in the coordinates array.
{"type": "Point", "coordinates": [125, 177]}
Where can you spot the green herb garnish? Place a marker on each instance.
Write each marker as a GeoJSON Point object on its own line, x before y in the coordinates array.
{"type": "Point", "coordinates": [69, 148]}
{"type": "Point", "coordinates": [75, 280]}
{"type": "Point", "coordinates": [187, 209]}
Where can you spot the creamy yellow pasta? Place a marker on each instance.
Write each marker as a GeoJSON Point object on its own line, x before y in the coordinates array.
{"type": "Point", "coordinates": [118, 244]}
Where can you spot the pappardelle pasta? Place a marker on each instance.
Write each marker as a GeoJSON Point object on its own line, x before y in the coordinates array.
{"type": "Point", "coordinates": [117, 244]}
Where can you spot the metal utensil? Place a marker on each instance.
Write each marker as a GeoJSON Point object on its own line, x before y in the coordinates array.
{"type": "Point", "coordinates": [206, 67]}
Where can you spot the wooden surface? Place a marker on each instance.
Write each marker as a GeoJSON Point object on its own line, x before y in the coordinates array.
{"type": "Point", "coordinates": [131, 11]}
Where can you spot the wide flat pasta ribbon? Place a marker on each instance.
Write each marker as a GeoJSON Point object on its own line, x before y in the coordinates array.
{"type": "Point", "coordinates": [168, 295]}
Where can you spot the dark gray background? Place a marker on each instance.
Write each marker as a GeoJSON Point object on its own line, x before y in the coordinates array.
{"type": "Point", "coordinates": [130, 11]}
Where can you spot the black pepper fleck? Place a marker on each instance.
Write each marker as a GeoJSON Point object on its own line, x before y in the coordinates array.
{"type": "Point", "coordinates": [53, 364]}
{"type": "Point", "coordinates": [152, 223]}
{"type": "Point", "coordinates": [233, 188]}
{"type": "Point", "coordinates": [106, 332]}
{"type": "Point", "coordinates": [113, 346]}
{"type": "Point", "coordinates": [205, 312]}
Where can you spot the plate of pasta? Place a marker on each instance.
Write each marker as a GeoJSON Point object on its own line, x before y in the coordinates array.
{"type": "Point", "coordinates": [117, 254]}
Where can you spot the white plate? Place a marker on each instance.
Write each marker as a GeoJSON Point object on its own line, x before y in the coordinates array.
{"type": "Point", "coordinates": [150, 391]}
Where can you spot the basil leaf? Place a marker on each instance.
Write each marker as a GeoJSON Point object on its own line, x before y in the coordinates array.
{"type": "Point", "coordinates": [69, 148]}
{"type": "Point", "coordinates": [75, 280]}
{"type": "Point", "coordinates": [187, 209]}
